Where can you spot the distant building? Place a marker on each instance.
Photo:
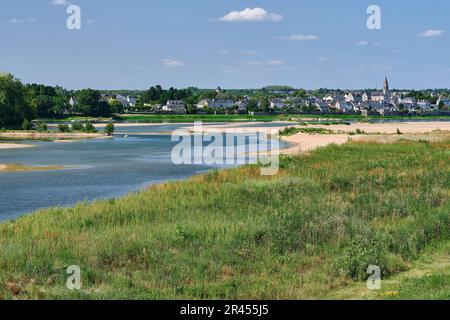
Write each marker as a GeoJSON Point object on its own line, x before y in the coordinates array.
{"type": "Point", "coordinates": [406, 100]}
{"type": "Point", "coordinates": [216, 104]}
{"type": "Point", "coordinates": [175, 106]}
{"type": "Point", "coordinates": [378, 97]}
{"type": "Point", "coordinates": [353, 97]}
{"type": "Point", "coordinates": [72, 101]}
{"type": "Point", "coordinates": [277, 103]}
{"type": "Point", "coordinates": [386, 86]}
{"type": "Point", "coordinates": [127, 101]}
{"type": "Point", "coordinates": [365, 97]}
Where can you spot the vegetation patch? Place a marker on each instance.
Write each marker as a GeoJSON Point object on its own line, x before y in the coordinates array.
{"type": "Point", "coordinates": [307, 232]}
{"type": "Point", "coordinates": [293, 131]}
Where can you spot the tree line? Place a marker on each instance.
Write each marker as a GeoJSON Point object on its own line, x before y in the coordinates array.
{"type": "Point", "coordinates": [19, 102]}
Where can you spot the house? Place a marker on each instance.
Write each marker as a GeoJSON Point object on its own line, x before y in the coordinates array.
{"type": "Point", "coordinates": [424, 105]}
{"type": "Point", "coordinates": [277, 103]}
{"type": "Point", "coordinates": [127, 101]}
{"type": "Point", "coordinates": [365, 97]}
{"type": "Point", "coordinates": [242, 104]}
{"type": "Point", "coordinates": [216, 104]}
{"type": "Point", "coordinates": [406, 100]}
{"type": "Point", "coordinates": [344, 106]}
{"type": "Point", "coordinates": [328, 99]}
{"type": "Point", "coordinates": [72, 101]}
{"type": "Point", "coordinates": [353, 97]}
{"type": "Point", "coordinates": [321, 106]}
{"type": "Point", "coordinates": [202, 104]}
{"type": "Point", "coordinates": [378, 97]}
{"type": "Point", "coordinates": [444, 101]}
{"type": "Point", "coordinates": [175, 106]}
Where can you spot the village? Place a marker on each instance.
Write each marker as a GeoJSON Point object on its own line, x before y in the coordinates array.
{"type": "Point", "coordinates": [291, 101]}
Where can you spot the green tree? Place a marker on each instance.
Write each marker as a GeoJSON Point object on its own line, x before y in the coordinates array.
{"type": "Point", "coordinates": [14, 107]}
{"type": "Point", "coordinates": [26, 125]}
{"type": "Point", "coordinates": [89, 104]}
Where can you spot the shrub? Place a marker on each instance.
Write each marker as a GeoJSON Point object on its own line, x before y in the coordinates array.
{"type": "Point", "coordinates": [361, 252]}
{"type": "Point", "coordinates": [89, 128]}
{"type": "Point", "coordinates": [77, 126]}
{"type": "Point", "coordinates": [26, 125]}
{"type": "Point", "coordinates": [109, 129]}
{"type": "Point", "coordinates": [42, 127]}
{"type": "Point", "coordinates": [63, 127]}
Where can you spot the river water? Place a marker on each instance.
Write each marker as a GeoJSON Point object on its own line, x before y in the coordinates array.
{"type": "Point", "coordinates": [94, 169]}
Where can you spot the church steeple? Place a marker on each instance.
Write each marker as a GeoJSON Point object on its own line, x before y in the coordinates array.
{"type": "Point", "coordinates": [386, 86]}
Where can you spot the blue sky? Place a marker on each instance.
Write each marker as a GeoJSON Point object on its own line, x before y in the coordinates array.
{"type": "Point", "coordinates": [134, 44]}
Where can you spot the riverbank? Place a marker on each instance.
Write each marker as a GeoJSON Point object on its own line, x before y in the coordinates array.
{"type": "Point", "coordinates": [34, 135]}
{"type": "Point", "coordinates": [339, 133]}
{"type": "Point", "coordinates": [234, 234]}
{"type": "Point", "coordinates": [6, 145]}
{"type": "Point", "coordinates": [23, 168]}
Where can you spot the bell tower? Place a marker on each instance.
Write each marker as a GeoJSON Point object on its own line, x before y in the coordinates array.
{"type": "Point", "coordinates": [386, 86]}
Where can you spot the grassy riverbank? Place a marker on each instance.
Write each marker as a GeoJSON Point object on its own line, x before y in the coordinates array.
{"type": "Point", "coordinates": [308, 232]}
{"type": "Point", "coordinates": [149, 118]}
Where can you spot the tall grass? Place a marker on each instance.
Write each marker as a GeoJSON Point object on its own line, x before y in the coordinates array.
{"type": "Point", "coordinates": [234, 234]}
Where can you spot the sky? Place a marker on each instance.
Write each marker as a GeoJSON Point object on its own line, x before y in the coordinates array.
{"type": "Point", "coordinates": [134, 44]}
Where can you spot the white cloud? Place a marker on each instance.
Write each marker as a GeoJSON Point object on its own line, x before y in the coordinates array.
{"type": "Point", "coordinates": [361, 43]}
{"type": "Point", "coordinates": [60, 3]}
{"type": "Point", "coordinates": [399, 51]}
{"type": "Point", "coordinates": [270, 63]}
{"type": "Point", "coordinates": [251, 15]}
{"type": "Point", "coordinates": [170, 63]}
{"type": "Point", "coordinates": [301, 37]}
{"type": "Point", "coordinates": [16, 21]}
{"type": "Point", "coordinates": [275, 62]}
{"type": "Point", "coordinates": [431, 33]}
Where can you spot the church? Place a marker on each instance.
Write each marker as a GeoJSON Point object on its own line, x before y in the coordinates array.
{"type": "Point", "coordinates": [382, 96]}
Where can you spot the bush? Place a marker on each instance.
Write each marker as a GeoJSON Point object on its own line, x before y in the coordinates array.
{"type": "Point", "coordinates": [109, 129]}
{"type": "Point", "coordinates": [63, 128]}
{"type": "Point", "coordinates": [42, 127]}
{"type": "Point", "coordinates": [362, 252]}
{"type": "Point", "coordinates": [89, 128]}
{"type": "Point", "coordinates": [26, 125]}
{"type": "Point", "coordinates": [77, 126]}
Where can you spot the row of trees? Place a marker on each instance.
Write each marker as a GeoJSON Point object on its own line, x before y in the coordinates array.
{"type": "Point", "coordinates": [20, 102]}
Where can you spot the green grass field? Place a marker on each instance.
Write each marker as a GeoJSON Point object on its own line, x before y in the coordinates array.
{"type": "Point", "coordinates": [309, 232]}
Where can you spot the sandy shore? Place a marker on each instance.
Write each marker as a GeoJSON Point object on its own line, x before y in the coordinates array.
{"type": "Point", "coordinates": [389, 128]}
{"type": "Point", "coordinates": [5, 146]}
{"type": "Point", "coordinates": [303, 142]}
